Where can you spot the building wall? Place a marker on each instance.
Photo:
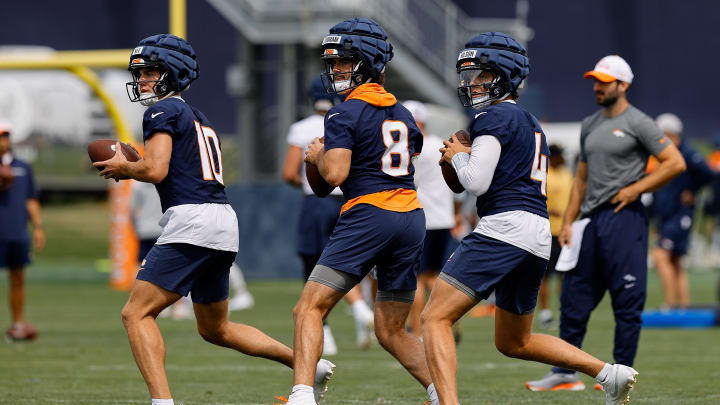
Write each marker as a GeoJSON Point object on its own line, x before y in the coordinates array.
{"type": "Point", "coordinates": [671, 47]}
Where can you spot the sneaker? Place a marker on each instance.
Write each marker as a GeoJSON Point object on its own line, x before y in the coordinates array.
{"type": "Point", "coordinates": [323, 372]}
{"type": "Point", "coordinates": [556, 382]}
{"type": "Point", "coordinates": [21, 331]}
{"type": "Point", "coordinates": [329, 345]}
{"type": "Point", "coordinates": [183, 309]}
{"type": "Point", "coordinates": [617, 387]}
{"type": "Point", "coordinates": [545, 318]}
{"type": "Point", "coordinates": [598, 387]}
{"type": "Point", "coordinates": [241, 301]}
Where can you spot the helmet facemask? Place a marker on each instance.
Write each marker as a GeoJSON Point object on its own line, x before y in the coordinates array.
{"type": "Point", "coordinates": [160, 88]}
{"type": "Point", "coordinates": [479, 87]}
{"type": "Point", "coordinates": [343, 82]}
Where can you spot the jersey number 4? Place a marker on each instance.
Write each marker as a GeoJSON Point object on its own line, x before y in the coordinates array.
{"type": "Point", "coordinates": [396, 159]}
{"type": "Point", "coordinates": [210, 156]}
{"type": "Point", "coordinates": [539, 171]}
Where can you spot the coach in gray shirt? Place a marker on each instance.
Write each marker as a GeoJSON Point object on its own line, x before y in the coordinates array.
{"type": "Point", "coordinates": [615, 144]}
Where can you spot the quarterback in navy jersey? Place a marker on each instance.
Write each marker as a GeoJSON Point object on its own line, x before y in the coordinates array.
{"type": "Point", "coordinates": [506, 168]}
{"type": "Point", "coordinates": [370, 140]}
{"type": "Point", "coordinates": [199, 239]}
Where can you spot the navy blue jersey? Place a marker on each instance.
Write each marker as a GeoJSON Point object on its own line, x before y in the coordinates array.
{"type": "Point", "coordinates": [13, 208]}
{"type": "Point", "coordinates": [667, 202]}
{"type": "Point", "coordinates": [520, 179]}
{"type": "Point", "coordinates": [195, 175]}
{"type": "Point", "coordinates": [383, 138]}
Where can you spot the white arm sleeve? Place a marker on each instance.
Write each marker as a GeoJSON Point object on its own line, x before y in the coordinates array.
{"type": "Point", "coordinates": [475, 171]}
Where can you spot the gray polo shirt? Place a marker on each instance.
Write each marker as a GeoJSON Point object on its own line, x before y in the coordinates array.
{"type": "Point", "coordinates": [616, 151]}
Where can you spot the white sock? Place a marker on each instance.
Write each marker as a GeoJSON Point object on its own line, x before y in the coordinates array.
{"type": "Point", "coordinates": [361, 311]}
{"type": "Point", "coordinates": [301, 393]}
{"type": "Point", "coordinates": [163, 401]}
{"type": "Point", "coordinates": [433, 395]}
{"type": "Point", "coordinates": [604, 373]}
{"type": "Point", "coordinates": [237, 281]}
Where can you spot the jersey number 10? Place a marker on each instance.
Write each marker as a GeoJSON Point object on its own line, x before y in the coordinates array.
{"type": "Point", "coordinates": [539, 171]}
{"type": "Point", "coordinates": [208, 142]}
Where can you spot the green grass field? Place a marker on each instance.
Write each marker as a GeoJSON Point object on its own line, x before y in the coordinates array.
{"type": "Point", "coordinates": [82, 356]}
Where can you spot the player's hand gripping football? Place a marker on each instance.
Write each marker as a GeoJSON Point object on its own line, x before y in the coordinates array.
{"type": "Point", "coordinates": [452, 147]}
{"type": "Point", "coordinates": [314, 152]}
{"type": "Point", "coordinates": [625, 196]}
{"type": "Point", "coordinates": [113, 168]}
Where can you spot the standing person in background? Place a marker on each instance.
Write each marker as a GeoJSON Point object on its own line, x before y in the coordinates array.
{"type": "Point", "coordinates": [674, 209]}
{"type": "Point", "coordinates": [18, 203]}
{"type": "Point", "coordinates": [319, 215]}
{"type": "Point", "coordinates": [615, 144]}
{"type": "Point", "coordinates": [441, 215]}
{"type": "Point", "coordinates": [559, 183]}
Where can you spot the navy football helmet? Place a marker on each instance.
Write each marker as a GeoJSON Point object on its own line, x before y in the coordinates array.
{"type": "Point", "coordinates": [321, 99]}
{"type": "Point", "coordinates": [362, 41]}
{"type": "Point", "coordinates": [173, 56]}
{"type": "Point", "coordinates": [503, 62]}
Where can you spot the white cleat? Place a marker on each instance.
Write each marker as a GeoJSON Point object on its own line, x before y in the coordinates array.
{"type": "Point", "coordinates": [241, 301]}
{"type": "Point", "coordinates": [329, 346]}
{"type": "Point", "coordinates": [620, 381]}
{"type": "Point", "coordinates": [323, 372]}
{"type": "Point", "coordinates": [556, 382]}
{"type": "Point", "coordinates": [364, 324]}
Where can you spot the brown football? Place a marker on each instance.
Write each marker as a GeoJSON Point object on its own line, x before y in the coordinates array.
{"type": "Point", "coordinates": [319, 186]}
{"type": "Point", "coordinates": [448, 172]}
{"type": "Point", "coordinates": [104, 149]}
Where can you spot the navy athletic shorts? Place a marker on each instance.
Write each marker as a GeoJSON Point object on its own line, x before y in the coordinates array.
{"type": "Point", "coordinates": [317, 221]}
{"type": "Point", "coordinates": [439, 244]}
{"type": "Point", "coordinates": [675, 234]}
{"type": "Point", "coordinates": [484, 265]}
{"type": "Point", "coordinates": [14, 254]}
{"type": "Point", "coordinates": [367, 236]}
{"type": "Point", "coordinates": [185, 268]}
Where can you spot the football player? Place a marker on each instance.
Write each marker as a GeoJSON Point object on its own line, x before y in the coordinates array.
{"type": "Point", "coordinates": [199, 239]}
{"type": "Point", "coordinates": [506, 168]}
{"type": "Point", "coordinates": [370, 140]}
{"type": "Point", "coordinates": [674, 206]}
{"type": "Point", "coordinates": [319, 215]}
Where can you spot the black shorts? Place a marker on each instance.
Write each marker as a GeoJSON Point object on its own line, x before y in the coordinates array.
{"type": "Point", "coordinates": [14, 254]}
{"type": "Point", "coordinates": [554, 256]}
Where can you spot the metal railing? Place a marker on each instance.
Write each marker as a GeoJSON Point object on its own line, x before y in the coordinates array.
{"type": "Point", "coordinates": [432, 31]}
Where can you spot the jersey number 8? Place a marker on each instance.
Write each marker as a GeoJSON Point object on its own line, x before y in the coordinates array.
{"type": "Point", "coordinates": [396, 159]}
{"type": "Point", "coordinates": [209, 149]}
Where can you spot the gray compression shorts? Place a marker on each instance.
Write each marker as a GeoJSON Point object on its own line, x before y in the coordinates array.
{"type": "Point", "coordinates": [344, 282]}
